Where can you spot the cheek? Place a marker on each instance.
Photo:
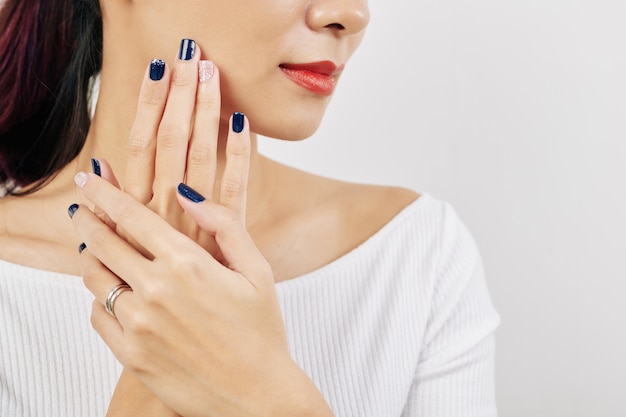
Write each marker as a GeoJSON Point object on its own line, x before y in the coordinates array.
{"type": "Point", "coordinates": [248, 40]}
{"type": "Point", "coordinates": [278, 113]}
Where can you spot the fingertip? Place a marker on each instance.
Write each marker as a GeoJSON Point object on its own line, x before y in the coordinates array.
{"type": "Point", "coordinates": [95, 167]}
{"type": "Point", "coordinates": [156, 69]}
{"type": "Point", "coordinates": [80, 179]}
{"type": "Point", "coordinates": [206, 70]}
{"type": "Point", "coordinates": [105, 171]}
{"type": "Point", "coordinates": [189, 193]}
{"type": "Point", "coordinates": [238, 122]}
{"type": "Point", "coordinates": [188, 50]}
{"type": "Point", "coordinates": [71, 210]}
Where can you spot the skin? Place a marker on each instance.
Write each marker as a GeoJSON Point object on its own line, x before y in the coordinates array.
{"type": "Point", "coordinates": [262, 222]}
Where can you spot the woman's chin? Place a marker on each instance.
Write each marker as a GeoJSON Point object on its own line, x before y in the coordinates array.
{"type": "Point", "coordinates": [291, 129]}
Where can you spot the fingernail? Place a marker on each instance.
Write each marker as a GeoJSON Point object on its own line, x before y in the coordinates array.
{"type": "Point", "coordinates": [95, 166]}
{"type": "Point", "coordinates": [189, 193]}
{"type": "Point", "coordinates": [205, 71]}
{"type": "Point", "coordinates": [157, 69]}
{"type": "Point", "coordinates": [72, 209]}
{"type": "Point", "coordinates": [81, 179]}
{"type": "Point", "coordinates": [238, 121]}
{"type": "Point", "coordinates": [187, 49]}
{"type": "Point", "coordinates": [82, 247]}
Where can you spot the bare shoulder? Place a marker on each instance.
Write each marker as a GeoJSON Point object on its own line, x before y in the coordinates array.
{"type": "Point", "coordinates": [375, 203]}
{"type": "Point", "coordinates": [355, 210]}
{"type": "Point", "coordinates": [315, 220]}
{"type": "Point", "coordinates": [367, 208]}
{"type": "Point", "coordinates": [378, 200]}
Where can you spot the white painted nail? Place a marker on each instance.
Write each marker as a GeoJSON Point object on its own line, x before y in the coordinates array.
{"type": "Point", "coordinates": [205, 70]}
{"type": "Point", "coordinates": [81, 179]}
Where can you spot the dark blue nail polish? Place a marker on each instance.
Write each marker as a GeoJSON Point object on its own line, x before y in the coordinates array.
{"type": "Point", "coordinates": [157, 69]}
{"type": "Point", "coordinates": [238, 121]}
{"type": "Point", "coordinates": [82, 247]}
{"type": "Point", "coordinates": [189, 193]}
{"type": "Point", "coordinates": [187, 49]}
{"type": "Point", "coordinates": [72, 209]}
{"type": "Point", "coordinates": [95, 167]}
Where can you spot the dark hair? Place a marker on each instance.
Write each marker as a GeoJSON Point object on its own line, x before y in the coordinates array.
{"type": "Point", "coordinates": [49, 49]}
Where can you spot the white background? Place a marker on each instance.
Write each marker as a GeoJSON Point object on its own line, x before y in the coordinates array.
{"type": "Point", "coordinates": [515, 112]}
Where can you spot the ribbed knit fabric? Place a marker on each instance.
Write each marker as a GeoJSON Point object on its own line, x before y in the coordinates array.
{"type": "Point", "coordinates": [401, 326]}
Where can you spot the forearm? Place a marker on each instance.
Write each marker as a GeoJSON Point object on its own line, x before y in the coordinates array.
{"type": "Point", "coordinates": [133, 399]}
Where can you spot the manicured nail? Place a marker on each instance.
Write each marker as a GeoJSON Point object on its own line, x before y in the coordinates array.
{"type": "Point", "coordinates": [205, 71]}
{"type": "Point", "coordinates": [157, 69]}
{"type": "Point", "coordinates": [95, 166]}
{"type": "Point", "coordinates": [82, 247]}
{"type": "Point", "coordinates": [189, 193]}
{"type": "Point", "coordinates": [72, 209]}
{"type": "Point", "coordinates": [238, 121]}
{"type": "Point", "coordinates": [81, 179]}
{"type": "Point", "coordinates": [187, 49]}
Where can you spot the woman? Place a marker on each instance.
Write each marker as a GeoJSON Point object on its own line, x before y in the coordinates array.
{"type": "Point", "coordinates": [224, 283]}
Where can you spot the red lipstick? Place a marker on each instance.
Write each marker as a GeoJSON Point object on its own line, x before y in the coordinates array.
{"type": "Point", "coordinates": [316, 77]}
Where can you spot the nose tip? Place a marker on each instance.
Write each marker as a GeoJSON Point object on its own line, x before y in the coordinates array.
{"type": "Point", "coordinates": [346, 17]}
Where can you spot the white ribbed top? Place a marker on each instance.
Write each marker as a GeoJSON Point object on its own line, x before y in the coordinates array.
{"type": "Point", "coordinates": [401, 326]}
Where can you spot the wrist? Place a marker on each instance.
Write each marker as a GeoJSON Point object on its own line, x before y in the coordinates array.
{"type": "Point", "coordinates": [298, 396]}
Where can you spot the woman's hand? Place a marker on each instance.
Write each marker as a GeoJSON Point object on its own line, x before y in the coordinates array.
{"type": "Point", "coordinates": [174, 138]}
{"type": "Point", "coordinates": [207, 338]}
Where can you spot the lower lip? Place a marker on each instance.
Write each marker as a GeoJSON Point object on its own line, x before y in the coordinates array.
{"type": "Point", "coordinates": [317, 83]}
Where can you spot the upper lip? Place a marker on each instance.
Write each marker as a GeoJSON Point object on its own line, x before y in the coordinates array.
{"type": "Point", "coordinates": [327, 68]}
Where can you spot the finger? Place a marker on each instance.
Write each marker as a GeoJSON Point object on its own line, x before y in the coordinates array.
{"type": "Point", "coordinates": [202, 155]}
{"type": "Point", "coordinates": [110, 249]}
{"type": "Point", "coordinates": [100, 282]}
{"type": "Point", "coordinates": [98, 279]}
{"type": "Point", "coordinates": [140, 223]}
{"type": "Point", "coordinates": [109, 329]}
{"type": "Point", "coordinates": [234, 184]}
{"type": "Point", "coordinates": [175, 128]}
{"type": "Point", "coordinates": [101, 168]}
{"type": "Point", "coordinates": [239, 251]}
{"type": "Point", "coordinates": [139, 175]}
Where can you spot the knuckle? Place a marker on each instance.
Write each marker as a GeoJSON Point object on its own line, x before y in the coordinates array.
{"type": "Point", "coordinates": [139, 323]}
{"type": "Point", "coordinates": [140, 143]}
{"type": "Point", "coordinates": [183, 76]}
{"type": "Point", "coordinates": [228, 222]}
{"type": "Point", "coordinates": [172, 135]}
{"type": "Point", "coordinates": [98, 238]}
{"type": "Point", "coordinates": [134, 358]}
{"type": "Point", "coordinates": [186, 266]}
{"type": "Point", "coordinates": [201, 155]}
{"type": "Point", "coordinates": [126, 208]}
{"type": "Point", "coordinates": [208, 102]}
{"type": "Point", "coordinates": [239, 151]}
{"type": "Point", "coordinates": [152, 96]}
{"type": "Point", "coordinates": [182, 266]}
{"type": "Point", "coordinates": [231, 188]}
{"type": "Point", "coordinates": [155, 293]}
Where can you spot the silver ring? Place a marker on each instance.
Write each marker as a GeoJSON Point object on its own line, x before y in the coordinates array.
{"type": "Point", "coordinates": [109, 304]}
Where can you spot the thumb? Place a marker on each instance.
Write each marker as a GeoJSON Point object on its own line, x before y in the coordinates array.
{"type": "Point", "coordinates": [236, 244]}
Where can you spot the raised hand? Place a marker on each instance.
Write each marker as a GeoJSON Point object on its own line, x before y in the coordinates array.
{"type": "Point", "coordinates": [175, 138]}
